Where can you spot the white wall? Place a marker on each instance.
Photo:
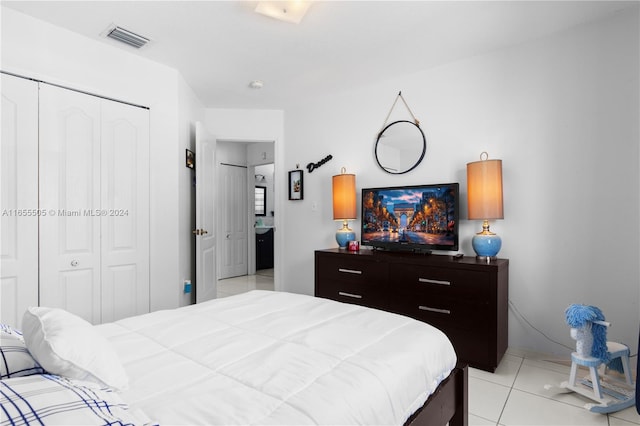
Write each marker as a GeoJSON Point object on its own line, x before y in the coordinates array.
{"type": "Point", "coordinates": [245, 125]}
{"type": "Point", "coordinates": [231, 153]}
{"type": "Point", "coordinates": [36, 49]}
{"type": "Point", "coordinates": [561, 112]}
{"type": "Point", "coordinates": [260, 153]}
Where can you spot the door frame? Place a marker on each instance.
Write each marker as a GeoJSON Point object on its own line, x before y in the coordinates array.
{"type": "Point", "coordinates": [251, 185]}
{"type": "Point", "coordinates": [250, 168]}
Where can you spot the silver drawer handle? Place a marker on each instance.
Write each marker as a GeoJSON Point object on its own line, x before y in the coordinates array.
{"type": "Point", "coordinates": [355, 296]}
{"type": "Point", "coordinates": [440, 311]}
{"type": "Point", "coordinates": [428, 281]}
{"type": "Point", "coordinates": [350, 271]}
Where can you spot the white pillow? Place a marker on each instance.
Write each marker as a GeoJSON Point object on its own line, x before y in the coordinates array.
{"type": "Point", "coordinates": [67, 345]}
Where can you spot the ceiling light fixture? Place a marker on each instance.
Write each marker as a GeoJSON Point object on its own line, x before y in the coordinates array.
{"type": "Point", "coordinates": [256, 84]}
{"type": "Point", "coordinates": [288, 11]}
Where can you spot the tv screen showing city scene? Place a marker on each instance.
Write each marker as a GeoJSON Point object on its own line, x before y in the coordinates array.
{"type": "Point", "coordinates": [424, 216]}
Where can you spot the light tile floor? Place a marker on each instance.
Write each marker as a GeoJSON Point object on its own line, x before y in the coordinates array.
{"type": "Point", "coordinates": [263, 280]}
{"type": "Point", "coordinates": [513, 395]}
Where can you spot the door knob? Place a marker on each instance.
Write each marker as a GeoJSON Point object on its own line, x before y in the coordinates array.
{"type": "Point", "coordinates": [74, 263]}
{"type": "Point", "coordinates": [203, 231]}
{"type": "Point", "coordinates": [196, 232]}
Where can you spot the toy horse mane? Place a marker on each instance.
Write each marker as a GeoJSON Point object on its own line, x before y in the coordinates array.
{"type": "Point", "coordinates": [585, 316]}
{"type": "Point", "coordinates": [591, 318]}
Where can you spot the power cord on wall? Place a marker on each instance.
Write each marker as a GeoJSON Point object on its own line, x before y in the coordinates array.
{"type": "Point", "coordinates": [515, 310]}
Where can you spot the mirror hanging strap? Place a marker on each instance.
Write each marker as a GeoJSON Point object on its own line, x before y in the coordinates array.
{"type": "Point", "coordinates": [415, 120]}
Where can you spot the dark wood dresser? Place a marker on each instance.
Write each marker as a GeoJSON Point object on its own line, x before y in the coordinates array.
{"type": "Point", "coordinates": [465, 298]}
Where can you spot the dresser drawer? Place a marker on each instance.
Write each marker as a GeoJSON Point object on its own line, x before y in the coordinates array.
{"type": "Point", "coordinates": [440, 282]}
{"type": "Point", "coordinates": [350, 292]}
{"type": "Point", "coordinates": [443, 312]}
{"type": "Point", "coordinates": [351, 270]}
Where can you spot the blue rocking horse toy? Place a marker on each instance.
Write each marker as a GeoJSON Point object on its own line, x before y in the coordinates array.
{"type": "Point", "coordinates": [610, 394]}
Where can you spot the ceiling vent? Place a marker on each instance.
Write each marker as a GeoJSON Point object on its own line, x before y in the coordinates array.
{"type": "Point", "coordinates": [126, 37]}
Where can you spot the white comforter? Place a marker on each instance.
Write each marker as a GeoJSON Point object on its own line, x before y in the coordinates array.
{"type": "Point", "coordinates": [279, 358]}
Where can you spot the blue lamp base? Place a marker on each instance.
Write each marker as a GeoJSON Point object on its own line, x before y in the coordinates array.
{"type": "Point", "coordinates": [344, 235]}
{"type": "Point", "coordinates": [486, 244]}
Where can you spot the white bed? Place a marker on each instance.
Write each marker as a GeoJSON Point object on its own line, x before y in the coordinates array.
{"type": "Point", "coordinates": [259, 358]}
{"type": "Point", "coordinates": [279, 358]}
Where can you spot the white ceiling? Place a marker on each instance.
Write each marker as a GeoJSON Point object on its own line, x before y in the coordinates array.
{"type": "Point", "coordinates": [220, 46]}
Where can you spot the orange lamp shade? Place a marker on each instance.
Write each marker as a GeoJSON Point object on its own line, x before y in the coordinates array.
{"type": "Point", "coordinates": [344, 197]}
{"type": "Point", "coordinates": [484, 190]}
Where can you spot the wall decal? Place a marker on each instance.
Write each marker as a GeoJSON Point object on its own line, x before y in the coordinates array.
{"type": "Point", "coordinates": [312, 166]}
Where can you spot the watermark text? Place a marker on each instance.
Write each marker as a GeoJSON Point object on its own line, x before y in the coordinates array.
{"type": "Point", "coordinates": [65, 212]}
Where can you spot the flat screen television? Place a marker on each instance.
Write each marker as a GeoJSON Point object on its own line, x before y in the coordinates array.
{"type": "Point", "coordinates": [414, 218]}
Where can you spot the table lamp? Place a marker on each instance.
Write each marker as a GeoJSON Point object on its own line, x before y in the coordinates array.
{"type": "Point", "coordinates": [344, 205]}
{"type": "Point", "coordinates": [484, 200]}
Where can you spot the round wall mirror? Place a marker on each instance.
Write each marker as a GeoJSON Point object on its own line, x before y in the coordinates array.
{"type": "Point", "coordinates": [400, 147]}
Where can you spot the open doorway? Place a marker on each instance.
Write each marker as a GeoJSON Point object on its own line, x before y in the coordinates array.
{"type": "Point", "coordinates": [253, 221]}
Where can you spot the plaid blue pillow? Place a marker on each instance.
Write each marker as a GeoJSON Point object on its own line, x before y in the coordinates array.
{"type": "Point", "coordinates": [54, 400]}
{"type": "Point", "coordinates": [15, 359]}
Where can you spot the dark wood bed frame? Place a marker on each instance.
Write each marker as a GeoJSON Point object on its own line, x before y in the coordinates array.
{"type": "Point", "coordinates": [449, 403]}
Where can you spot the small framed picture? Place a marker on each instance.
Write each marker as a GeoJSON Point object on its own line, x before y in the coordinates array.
{"type": "Point", "coordinates": [190, 159]}
{"type": "Point", "coordinates": [295, 185]}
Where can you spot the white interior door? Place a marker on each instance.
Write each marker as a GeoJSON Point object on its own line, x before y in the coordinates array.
{"type": "Point", "coordinates": [205, 235]}
{"type": "Point", "coordinates": [70, 190]}
{"type": "Point", "coordinates": [125, 200]}
{"type": "Point", "coordinates": [233, 241]}
{"type": "Point", "coordinates": [19, 220]}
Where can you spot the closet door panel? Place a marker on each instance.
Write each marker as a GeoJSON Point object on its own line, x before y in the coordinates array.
{"type": "Point", "coordinates": [233, 249]}
{"type": "Point", "coordinates": [70, 192]}
{"type": "Point", "coordinates": [74, 294]}
{"type": "Point", "coordinates": [19, 220]}
{"type": "Point", "coordinates": [125, 204]}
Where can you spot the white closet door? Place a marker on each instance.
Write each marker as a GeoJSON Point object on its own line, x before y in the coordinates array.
{"type": "Point", "coordinates": [70, 190]}
{"type": "Point", "coordinates": [233, 208]}
{"type": "Point", "coordinates": [125, 200]}
{"type": "Point", "coordinates": [19, 224]}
